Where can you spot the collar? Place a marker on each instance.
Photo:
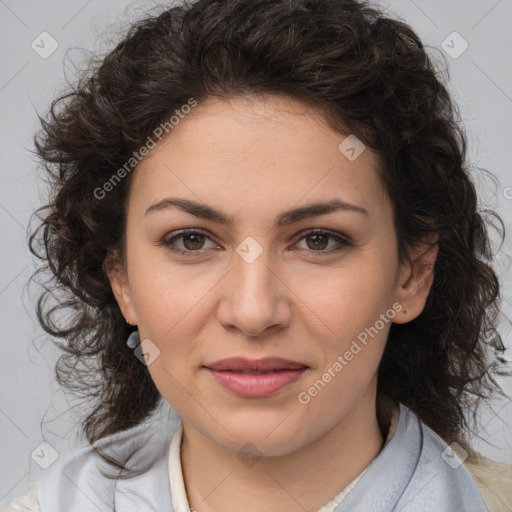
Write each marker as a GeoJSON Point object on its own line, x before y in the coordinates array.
{"type": "Point", "coordinates": [389, 474]}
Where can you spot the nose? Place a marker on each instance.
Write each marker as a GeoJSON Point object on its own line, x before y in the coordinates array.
{"type": "Point", "coordinates": [255, 298]}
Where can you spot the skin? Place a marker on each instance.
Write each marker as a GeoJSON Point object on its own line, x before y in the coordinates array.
{"type": "Point", "coordinates": [252, 159]}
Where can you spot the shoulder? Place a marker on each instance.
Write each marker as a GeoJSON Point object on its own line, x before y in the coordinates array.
{"type": "Point", "coordinates": [74, 483]}
{"type": "Point", "coordinates": [477, 478]}
{"type": "Point", "coordinates": [494, 479]}
{"type": "Point", "coordinates": [28, 503]}
{"type": "Point", "coordinates": [439, 477]}
{"type": "Point", "coordinates": [78, 482]}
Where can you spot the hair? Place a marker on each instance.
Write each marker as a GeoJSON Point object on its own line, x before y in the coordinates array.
{"type": "Point", "coordinates": [367, 74]}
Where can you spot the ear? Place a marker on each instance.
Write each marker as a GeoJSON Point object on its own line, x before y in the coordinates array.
{"type": "Point", "coordinates": [115, 269]}
{"type": "Point", "coordinates": [415, 280]}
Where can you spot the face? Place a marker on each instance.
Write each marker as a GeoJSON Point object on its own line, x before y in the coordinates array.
{"type": "Point", "coordinates": [251, 281]}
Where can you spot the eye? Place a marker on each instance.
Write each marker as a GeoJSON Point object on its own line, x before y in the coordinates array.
{"type": "Point", "coordinates": [192, 240]}
{"type": "Point", "coordinates": [317, 240]}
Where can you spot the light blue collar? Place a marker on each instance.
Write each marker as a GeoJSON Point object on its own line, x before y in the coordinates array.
{"type": "Point", "coordinates": [408, 475]}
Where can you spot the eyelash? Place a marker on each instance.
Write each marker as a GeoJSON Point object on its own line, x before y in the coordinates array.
{"type": "Point", "coordinates": [342, 240]}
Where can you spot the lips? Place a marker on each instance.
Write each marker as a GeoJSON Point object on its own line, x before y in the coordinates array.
{"type": "Point", "coordinates": [256, 378]}
{"type": "Point", "coordinates": [256, 366]}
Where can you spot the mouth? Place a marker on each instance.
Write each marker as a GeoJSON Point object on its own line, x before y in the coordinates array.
{"type": "Point", "coordinates": [255, 366]}
{"type": "Point", "coordinates": [256, 378]}
{"type": "Point", "coordinates": [245, 372]}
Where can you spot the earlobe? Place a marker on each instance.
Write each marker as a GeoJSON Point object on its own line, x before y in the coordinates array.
{"type": "Point", "coordinates": [118, 278]}
{"type": "Point", "coordinates": [415, 281]}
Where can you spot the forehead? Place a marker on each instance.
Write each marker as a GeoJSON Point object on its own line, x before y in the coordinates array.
{"type": "Point", "coordinates": [262, 152]}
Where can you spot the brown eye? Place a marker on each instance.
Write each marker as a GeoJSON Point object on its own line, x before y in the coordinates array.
{"type": "Point", "coordinates": [324, 242]}
{"type": "Point", "coordinates": [319, 241]}
{"type": "Point", "coordinates": [193, 241]}
{"type": "Point", "coordinates": [188, 243]}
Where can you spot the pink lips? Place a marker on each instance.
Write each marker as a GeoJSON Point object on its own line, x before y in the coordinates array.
{"type": "Point", "coordinates": [256, 377]}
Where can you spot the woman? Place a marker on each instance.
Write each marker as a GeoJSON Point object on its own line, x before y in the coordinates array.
{"type": "Point", "coordinates": [262, 217]}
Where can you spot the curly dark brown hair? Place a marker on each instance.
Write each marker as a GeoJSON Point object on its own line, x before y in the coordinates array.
{"type": "Point", "coordinates": [365, 72]}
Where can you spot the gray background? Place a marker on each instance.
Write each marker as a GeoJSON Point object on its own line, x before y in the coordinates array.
{"type": "Point", "coordinates": [33, 408]}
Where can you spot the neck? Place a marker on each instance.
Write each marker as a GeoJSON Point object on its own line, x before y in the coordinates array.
{"type": "Point", "coordinates": [306, 479]}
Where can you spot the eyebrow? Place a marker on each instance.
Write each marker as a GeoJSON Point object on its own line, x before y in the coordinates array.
{"type": "Point", "coordinates": [287, 217]}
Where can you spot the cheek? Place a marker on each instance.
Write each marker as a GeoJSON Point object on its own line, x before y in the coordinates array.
{"type": "Point", "coordinates": [173, 306]}
{"type": "Point", "coordinates": [356, 315]}
{"type": "Point", "coordinates": [347, 299]}
{"type": "Point", "coordinates": [166, 293]}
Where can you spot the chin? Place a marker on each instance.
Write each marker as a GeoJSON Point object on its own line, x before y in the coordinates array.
{"type": "Point", "coordinates": [273, 438]}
